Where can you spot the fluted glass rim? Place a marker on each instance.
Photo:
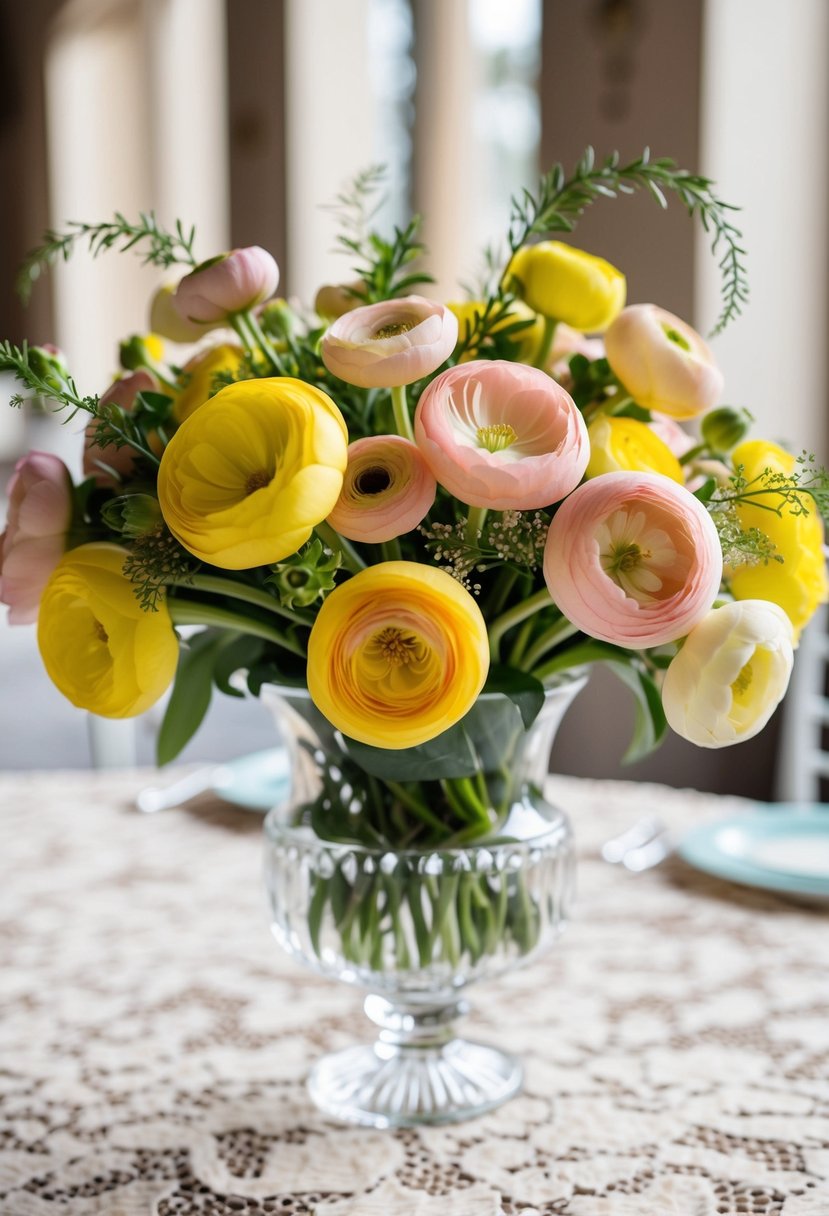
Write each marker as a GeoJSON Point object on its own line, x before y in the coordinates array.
{"type": "Point", "coordinates": [564, 680]}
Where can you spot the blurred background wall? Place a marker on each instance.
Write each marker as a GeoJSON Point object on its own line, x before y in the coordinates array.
{"type": "Point", "coordinates": [246, 116]}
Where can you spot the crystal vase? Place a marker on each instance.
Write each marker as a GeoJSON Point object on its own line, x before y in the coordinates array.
{"type": "Point", "coordinates": [415, 926]}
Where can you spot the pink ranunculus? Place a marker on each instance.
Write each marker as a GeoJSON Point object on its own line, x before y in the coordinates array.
{"type": "Point", "coordinates": [40, 513]}
{"type": "Point", "coordinates": [502, 435]}
{"type": "Point", "coordinates": [110, 464]}
{"type": "Point", "coordinates": [387, 490]}
{"type": "Point", "coordinates": [633, 559]}
{"type": "Point", "coordinates": [230, 283]}
{"type": "Point", "coordinates": [663, 363]}
{"type": "Point", "coordinates": [390, 344]}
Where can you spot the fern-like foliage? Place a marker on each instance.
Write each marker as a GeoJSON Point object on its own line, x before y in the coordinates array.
{"type": "Point", "coordinates": [157, 246]}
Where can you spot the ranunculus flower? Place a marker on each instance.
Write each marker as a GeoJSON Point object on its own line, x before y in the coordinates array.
{"type": "Point", "coordinates": [730, 674]}
{"type": "Point", "coordinates": [110, 465]}
{"type": "Point", "coordinates": [662, 362]}
{"type": "Point", "coordinates": [166, 320]}
{"type": "Point", "coordinates": [387, 490]}
{"type": "Point", "coordinates": [397, 654]}
{"type": "Point", "coordinates": [633, 558]}
{"type": "Point", "coordinates": [798, 583]}
{"type": "Point", "coordinates": [527, 340]}
{"type": "Point", "coordinates": [99, 647]}
{"type": "Point", "coordinates": [501, 435]}
{"type": "Point", "coordinates": [247, 477]}
{"type": "Point", "coordinates": [389, 344]}
{"type": "Point", "coordinates": [334, 299]}
{"type": "Point", "coordinates": [624, 443]}
{"type": "Point", "coordinates": [202, 370]}
{"type": "Point", "coordinates": [40, 512]}
{"type": "Point", "coordinates": [672, 435]}
{"type": "Point", "coordinates": [227, 284]}
{"type": "Point", "coordinates": [569, 285]}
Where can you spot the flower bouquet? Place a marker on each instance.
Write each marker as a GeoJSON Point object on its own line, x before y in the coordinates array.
{"type": "Point", "coordinates": [414, 526]}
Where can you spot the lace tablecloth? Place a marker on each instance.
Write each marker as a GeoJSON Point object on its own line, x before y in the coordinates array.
{"type": "Point", "coordinates": [155, 1040]}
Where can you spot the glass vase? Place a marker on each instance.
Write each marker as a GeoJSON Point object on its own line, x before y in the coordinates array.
{"type": "Point", "coordinates": [414, 926]}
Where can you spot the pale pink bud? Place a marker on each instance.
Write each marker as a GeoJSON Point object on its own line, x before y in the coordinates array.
{"type": "Point", "coordinates": [40, 512]}
{"type": "Point", "coordinates": [166, 320]}
{"type": "Point", "coordinates": [663, 363]}
{"type": "Point", "coordinates": [390, 344]}
{"type": "Point", "coordinates": [672, 435]}
{"type": "Point", "coordinates": [502, 435]}
{"type": "Point", "coordinates": [111, 464]}
{"type": "Point", "coordinates": [633, 559]}
{"type": "Point", "coordinates": [387, 490]}
{"type": "Point", "coordinates": [227, 284]}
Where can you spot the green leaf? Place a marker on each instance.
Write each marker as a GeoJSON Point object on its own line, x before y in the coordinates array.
{"type": "Point", "coordinates": [449, 754]}
{"type": "Point", "coordinates": [191, 694]}
{"type": "Point", "coordinates": [650, 723]}
{"type": "Point", "coordinates": [237, 653]}
{"type": "Point", "coordinates": [582, 653]}
{"type": "Point", "coordinates": [524, 690]}
{"type": "Point", "coordinates": [706, 490]}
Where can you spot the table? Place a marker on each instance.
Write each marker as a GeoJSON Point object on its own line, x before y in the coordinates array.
{"type": "Point", "coordinates": [155, 1040]}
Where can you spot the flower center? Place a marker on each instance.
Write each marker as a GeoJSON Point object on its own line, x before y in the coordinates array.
{"type": "Point", "coordinates": [100, 633]}
{"type": "Point", "coordinates": [741, 685]}
{"type": "Point", "coordinates": [393, 329]}
{"type": "Point", "coordinates": [673, 335]}
{"type": "Point", "coordinates": [497, 437]}
{"type": "Point", "coordinates": [637, 556]}
{"type": "Point", "coordinates": [373, 480]}
{"type": "Point", "coordinates": [397, 647]}
{"type": "Point", "coordinates": [256, 481]}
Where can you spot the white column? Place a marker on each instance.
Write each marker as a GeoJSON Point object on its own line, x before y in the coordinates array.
{"type": "Point", "coordinates": [766, 143]}
{"type": "Point", "coordinates": [330, 132]}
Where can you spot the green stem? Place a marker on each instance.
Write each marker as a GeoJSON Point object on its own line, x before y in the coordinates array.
{"type": "Point", "coordinates": [338, 544]}
{"type": "Point", "coordinates": [248, 339]}
{"type": "Point", "coordinates": [239, 591]}
{"type": "Point", "coordinates": [401, 412]}
{"type": "Point", "coordinates": [391, 550]}
{"type": "Point", "coordinates": [546, 346]}
{"type": "Point", "coordinates": [514, 616]}
{"type": "Point", "coordinates": [414, 804]}
{"type": "Point", "coordinates": [475, 524]}
{"type": "Point", "coordinates": [187, 612]}
{"type": "Point", "coordinates": [559, 632]}
{"type": "Point", "coordinates": [521, 641]}
{"type": "Point", "coordinates": [263, 341]}
{"type": "Point", "coordinates": [499, 594]}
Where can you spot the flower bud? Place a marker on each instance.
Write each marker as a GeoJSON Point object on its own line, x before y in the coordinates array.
{"type": "Point", "coordinates": [132, 514]}
{"type": "Point", "coordinates": [48, 363]}
{"type": "Point", "coordinates": [723, 429]}
{"type": "Point", "coordinates": [335, 299]}
{"type": "Point", "coordinates": [141, 350]}
{"type": "Point", "coordinates": [569, 285]}
{"type": "Point", "coordinates": [165, 318]}
{"type": "Point", "coordinates": [306, 576]}
{"type": "Point", "coordinates": [230, 283]}
{"type": "Point", "coordinates": [277, 318]}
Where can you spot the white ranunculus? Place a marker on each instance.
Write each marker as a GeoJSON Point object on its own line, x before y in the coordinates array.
{"type": "Point", "coordinates": [730, 675]}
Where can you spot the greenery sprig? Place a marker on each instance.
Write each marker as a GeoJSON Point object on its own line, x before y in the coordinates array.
{"type": "Point", "coordinates": [382, 263]}
{"type": "Point", "coordinates": [560, 202]}
{"type": "Point", "coordinates": [157, 246]}
{"type": "Point", "coordinates": [781, 493]}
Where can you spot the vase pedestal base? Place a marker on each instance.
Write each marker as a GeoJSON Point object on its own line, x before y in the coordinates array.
{"type": "Point", "coordinates": [416, 1073]}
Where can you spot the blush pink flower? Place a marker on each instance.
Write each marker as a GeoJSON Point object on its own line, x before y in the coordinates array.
{"type": "Point", "coordinates": [633, 559]}
{"type": "Point", "coordinates": [390, 344]}
{"type": "Point", "coordinates": [387, 490]}
{"type": "Point", "coordinates": [40, 512]}
{"type": "Point", "coordinates": [110, 465]}
{"type": "Point", "coordinates": [502, 435]}
{"type": "Point", "coordinates": [663, 363]}
{"type": "Point", "coordinates": [227, 284]}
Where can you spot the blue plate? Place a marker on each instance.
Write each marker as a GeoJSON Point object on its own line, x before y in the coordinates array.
{"type": "Point", "coordinates": [256, 782]}
{"type": "Point", "coordinates": [782, 847]}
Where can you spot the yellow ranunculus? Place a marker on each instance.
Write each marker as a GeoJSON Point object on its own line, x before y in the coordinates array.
{"type": "Point", "coordinates": [202, 370]}
{"type": "Point", "coordinates": [247, 477]}
{"type": "Point", "coordinates": [527, 340]}
{"type": "Point", "coordinates": [569, 285]}
{"type": "Point", "coordinates": [101, 649]}
{"type": "Point", "coordinates": [397, 655]}
{"type": "Point", "coordinates": [626, 444]}
{"type": "Point", "coordinates": [798, 583]}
